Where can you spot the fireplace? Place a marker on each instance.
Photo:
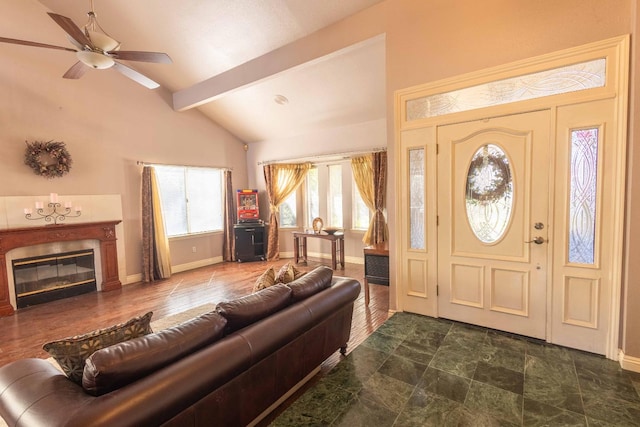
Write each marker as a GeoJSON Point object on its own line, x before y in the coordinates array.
{"type": "Point", "coordinates": [51, 277]}
{"type": "Point", "coordinates": [103, 233]}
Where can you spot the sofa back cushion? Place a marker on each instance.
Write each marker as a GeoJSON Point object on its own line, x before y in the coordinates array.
{"type": "Point", "coordinates": [246, 310]}
{"type": "Point", "coordinates": [311, 283]}
{"type": "Point", "coordinates": [113, 367]}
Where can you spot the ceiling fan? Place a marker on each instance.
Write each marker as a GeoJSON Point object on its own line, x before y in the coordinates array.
{"type": "Point", "coordinates": [96, 49]}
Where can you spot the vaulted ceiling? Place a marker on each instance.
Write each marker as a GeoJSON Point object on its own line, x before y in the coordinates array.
{"type": "Point", "coordinates": [210, 38]}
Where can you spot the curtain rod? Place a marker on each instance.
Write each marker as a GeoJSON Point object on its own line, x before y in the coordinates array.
{"type": "Point", "coordinates": [328, 157]}
{"type": "Point", "coordinates": [141, 163]}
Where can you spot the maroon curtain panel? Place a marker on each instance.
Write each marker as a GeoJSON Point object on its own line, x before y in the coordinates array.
{"type": "Point", "coordinates": [229, 244]}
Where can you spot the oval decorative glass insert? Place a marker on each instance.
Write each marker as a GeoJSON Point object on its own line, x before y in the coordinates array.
{"type": "Point", "coordinates": [489, 193]}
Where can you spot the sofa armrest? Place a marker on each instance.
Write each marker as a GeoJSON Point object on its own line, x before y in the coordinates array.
{"type": "Point", "coordinates": [343, 291]}
{"type": "Point", "coordinates": [33, 393]}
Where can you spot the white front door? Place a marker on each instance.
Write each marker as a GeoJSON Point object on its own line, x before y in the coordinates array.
{"type": "Point", "coordinates": [493, 210]}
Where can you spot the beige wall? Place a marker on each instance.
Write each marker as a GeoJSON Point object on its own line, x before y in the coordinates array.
{"type": "Point", "coordinates": [630, 333]}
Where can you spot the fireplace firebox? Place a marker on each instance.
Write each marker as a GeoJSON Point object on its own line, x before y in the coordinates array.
{"type": "Point", "coordinates": [51, 277]}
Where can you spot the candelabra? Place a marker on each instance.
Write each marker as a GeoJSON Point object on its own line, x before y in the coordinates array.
{"type": "Point", "coordinates": [53, 214]}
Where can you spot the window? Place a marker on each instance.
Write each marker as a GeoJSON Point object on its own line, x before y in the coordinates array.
{"type": "Point", "coordinates": [288, 216]}
{"type": "Point", "coordinates": [361, 214]}
{"type": "Point", "coordinates": [583, 196]}
{"type": "Point", "coordinates": [340, 205]}
{"type": "Point", "coordinates": [334, 206]}
{"type": "Point", "coordinates": [312, 196]}
{"type": "Point", "coordinates": [191, 199]}
{"type": "Point", "coordinates": [581, 76]}
{"type": "Point", "coordinates": [417, 202]}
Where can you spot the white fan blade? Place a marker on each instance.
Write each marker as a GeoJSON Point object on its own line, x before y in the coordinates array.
{"type": "Point", "coordinates": [135, 76]}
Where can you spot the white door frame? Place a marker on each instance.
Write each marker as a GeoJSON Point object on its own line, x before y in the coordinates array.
{"type": "Point", "coordinates": [616, 53]}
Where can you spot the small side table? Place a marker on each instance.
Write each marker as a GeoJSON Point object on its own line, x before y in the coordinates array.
{"type": "Point", "coordinates": [337, 246]}
{"type": "Point", "coordinates": [376, 266]}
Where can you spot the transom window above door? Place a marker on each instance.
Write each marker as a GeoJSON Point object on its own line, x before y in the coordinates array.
{"type": "Point", "coordinates": [570, 78]}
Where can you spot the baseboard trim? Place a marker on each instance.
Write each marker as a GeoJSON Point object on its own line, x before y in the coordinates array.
{"type": "Point", "coordinates": [134, 278]}
{"type": "Point", "coordinates": [196, 264]}
{"type": "Point", "coordinates": [284, 397]}
{"type": "Point", "coordinates": [629, 363]}
{"type": "Point", "coordinates": [349, 259]}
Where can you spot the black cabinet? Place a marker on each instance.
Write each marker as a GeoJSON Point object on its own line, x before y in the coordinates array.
{"type": "Point", "coordinates": [251, 242]}
{"type": "Point", "coordinates": [376, 268]}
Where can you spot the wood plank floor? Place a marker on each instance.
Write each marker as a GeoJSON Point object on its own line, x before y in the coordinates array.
{"type": "Point", "coordinates": [23, 334]}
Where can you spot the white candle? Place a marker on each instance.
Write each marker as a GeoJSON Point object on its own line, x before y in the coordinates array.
{"type": "Point", "coordinates": [39, 205]}
{"type": "Point", "coordinates": [27, 211]}
{"type": "Point", "coordinates": [78, 208]}
{"type": "Point", "coordinates": [53, 197]}
{"type": "Point", "coordinates": [67, 204]}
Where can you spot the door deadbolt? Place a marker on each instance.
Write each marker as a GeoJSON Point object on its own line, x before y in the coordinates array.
{"type": "Point", "coordinates": [538, 226]}
{"type": "Point", "coordinates": [538, 240]}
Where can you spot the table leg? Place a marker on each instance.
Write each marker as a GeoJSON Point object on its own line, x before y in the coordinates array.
{"type": "Point", "coordinates": [304, 249]}
{"type": "Point", "coordinates": [342, 252]}
{"type": "Point", "coordinates": [296, 251]}
{"type": "Point", "coordinates": [366, 291]}
{"type": "Point", "coordinates": [333, 255]}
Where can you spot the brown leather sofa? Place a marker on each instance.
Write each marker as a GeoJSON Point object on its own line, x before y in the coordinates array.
{"type": "Point", "coordinates": [273, 341]}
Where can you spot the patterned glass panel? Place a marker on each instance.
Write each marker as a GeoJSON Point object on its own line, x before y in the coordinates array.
{"type": "Point", "coordinates": [489, 193]}
{"type": "Point", "coordinates": [582, 196]}
{"type": "Point", "coordinates": [416, 198]}
{"type": "Point", "coordinates": [572, 78]}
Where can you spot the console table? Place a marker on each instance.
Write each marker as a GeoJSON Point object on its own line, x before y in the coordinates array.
{"type": "Point", "coordinates": [376, 266]}
{"type": "Point", "coordinates": [300, 246]}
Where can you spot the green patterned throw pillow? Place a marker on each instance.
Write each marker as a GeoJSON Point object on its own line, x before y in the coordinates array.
{"type": "Point", "coordinates": [71, 353]}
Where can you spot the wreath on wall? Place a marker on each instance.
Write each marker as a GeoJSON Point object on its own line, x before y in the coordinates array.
{"type": "Point", "coordinates": [49, 159]}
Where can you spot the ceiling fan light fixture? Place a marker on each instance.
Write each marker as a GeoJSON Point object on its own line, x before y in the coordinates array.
{"type": "Point", "coordinates": [102, 41]}
{"type": "Point", "coordinates": [96, 49]}
{"type": "Point", "coordinates": [99, 37]}
{"type": "Point", "coordinates": [95, 60]}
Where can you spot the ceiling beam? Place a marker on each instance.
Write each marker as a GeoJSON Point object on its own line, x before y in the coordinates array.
{"type": "Point", "coordinates": [315, 47]}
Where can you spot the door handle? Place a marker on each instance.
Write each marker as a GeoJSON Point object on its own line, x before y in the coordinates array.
{"type": "Point", "coordinates": [538, 240]}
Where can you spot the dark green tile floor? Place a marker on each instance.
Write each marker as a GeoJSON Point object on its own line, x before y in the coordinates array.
{"type": "Point", "coordinates": [420, 371]}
